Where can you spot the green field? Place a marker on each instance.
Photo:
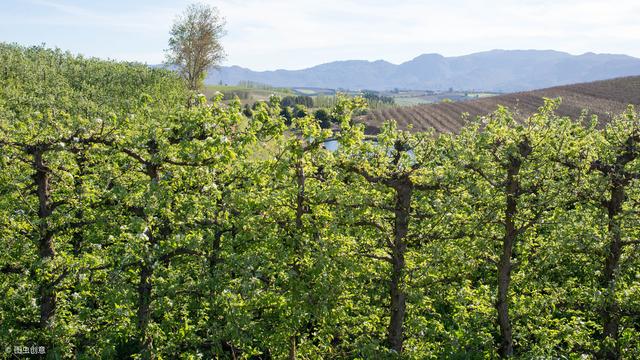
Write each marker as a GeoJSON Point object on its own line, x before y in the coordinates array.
{"type": "Point", "coordinates": [476, 95]}
{"type": "Point", "coordinates": [303, 91]}
{"type": "Point", "coordinates": [410, 101]}
{"type": "Point", "coordinates": [247, 95]}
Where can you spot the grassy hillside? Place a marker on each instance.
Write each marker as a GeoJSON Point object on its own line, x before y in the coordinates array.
{"type": "Point", "coordinates": [602, 98]}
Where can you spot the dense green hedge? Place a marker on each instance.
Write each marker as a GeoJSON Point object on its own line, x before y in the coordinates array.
{"type": "Point", "coordinates": [138, 220]}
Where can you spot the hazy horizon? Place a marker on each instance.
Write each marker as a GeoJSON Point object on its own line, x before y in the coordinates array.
{"type": "Point", "coordinates": [300, 34]}
{"type": "Point", "coordinates": [444, 55]}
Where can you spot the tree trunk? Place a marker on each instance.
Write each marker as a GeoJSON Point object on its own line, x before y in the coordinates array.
{"type": "Point", "coordinates": [145, 285]}
{"type": "Point", "coordinates": [301, 209]}
{"type": "Point", "coordinates": [512, 189]}
{"type": "Point", "coordinates": [46, 251]}
{"type": "Point", "coordinates": [300, 196]}
{"type": "Point", "coordinates": [292, 347]}
{"type": "Point", "coordinates": [502, 305]}
{"type": "Point", "coordinates": [77, 236]}
{"type": "Point", "coordinates": [610, 312]}
{"type": "Point", "coordinates": [144, 310]}
{"type": "Point", "coordinates": [398, 297]}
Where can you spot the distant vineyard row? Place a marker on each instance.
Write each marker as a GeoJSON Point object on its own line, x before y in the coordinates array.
{"type": "Point", "coordinates": [601, 98]}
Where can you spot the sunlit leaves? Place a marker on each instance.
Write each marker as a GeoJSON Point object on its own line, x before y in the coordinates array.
{"type": "Point", "coordinates": [256, 234]}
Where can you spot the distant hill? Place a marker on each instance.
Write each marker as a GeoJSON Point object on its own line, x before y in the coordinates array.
{"type": "Point", "coordinates": [602, 98]}
{"type": "Point", "coordinates": [496, 70]}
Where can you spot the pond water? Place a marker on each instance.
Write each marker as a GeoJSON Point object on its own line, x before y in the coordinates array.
{"type": "Point", "coordinates": [332, 145]}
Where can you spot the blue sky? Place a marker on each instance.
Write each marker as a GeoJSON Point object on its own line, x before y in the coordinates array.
{"type": "Point", "coordinates": [293, 34]}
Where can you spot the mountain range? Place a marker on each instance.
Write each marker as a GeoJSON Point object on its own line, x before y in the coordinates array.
{"type": "Point", "coordinates": [495, 70]}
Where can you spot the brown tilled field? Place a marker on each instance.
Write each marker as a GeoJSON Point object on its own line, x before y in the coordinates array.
{"type": "Point", "coordinates": [603, 98]}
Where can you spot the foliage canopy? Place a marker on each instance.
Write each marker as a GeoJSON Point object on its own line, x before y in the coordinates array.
{"type": "Point", "coordinates": [138, 220]}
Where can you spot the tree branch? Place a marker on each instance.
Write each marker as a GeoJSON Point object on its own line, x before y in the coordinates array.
{"type": "Point", "coordinates": [377, 257]}
{"type": "Point", "coordinates": [166, 258]}
{"type": "Point", "coordinates": [11, 269]}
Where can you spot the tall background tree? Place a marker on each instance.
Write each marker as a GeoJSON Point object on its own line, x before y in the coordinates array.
{"type": "Point", "coordinates": [194, 45]}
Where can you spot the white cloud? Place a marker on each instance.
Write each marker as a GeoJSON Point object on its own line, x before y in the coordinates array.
{"type": "Point", "coordinates": [301, 33]}
{"type": "Point", "coordinates": [267, 35]}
